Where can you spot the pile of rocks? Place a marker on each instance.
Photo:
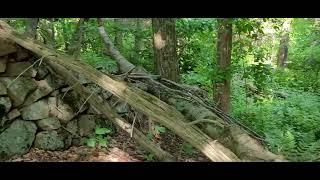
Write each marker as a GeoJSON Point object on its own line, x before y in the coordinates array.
{"type": "Point", "coordinates": [39, 109]}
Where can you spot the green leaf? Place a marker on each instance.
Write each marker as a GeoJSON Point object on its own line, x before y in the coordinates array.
{"type": "Point", "coordinates": [187, 148]}
{"type": "Point", "coordinates": [91, 142]}
{"type": "Point", "coordinates": [160, 129]}
{"type": "Point", "coordinates": [103, 142]}
{"type": "Point", "coordinates": [102, 131]}
{"type": "Point", "coordinates": [149, 136]}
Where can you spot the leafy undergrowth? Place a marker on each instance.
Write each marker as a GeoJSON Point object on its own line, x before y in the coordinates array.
{"type": "Point", "coordinates": [291, 125]}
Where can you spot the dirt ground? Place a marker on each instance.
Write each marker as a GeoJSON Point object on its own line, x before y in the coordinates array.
{"type": "Point", "coordinates": [121, 148]}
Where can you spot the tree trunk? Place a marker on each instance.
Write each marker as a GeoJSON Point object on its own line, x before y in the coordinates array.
{"type": "Point", "coordinates": [123, 64]}
{"type": "Point", "coordinates": [164, 45]}
{"type": "Point", "coordinates": [155, 109]}
{"type": "Point", "coordinates": [74, 48]}
{"type": "Point", "coordinates": [138, 44]}
{"type": "Point", "coordinates": [147, 104]}
{"type": "Point", "coordinates": [239, 140]}
{"type": "Point", "coordinates": [224, 47]}
{"type": "Point", "coordinates": [118, 33]}
{"type": "Point", "coordinates": [283, 50]}
{"type": "Point", "coordinates": [31, 27]}
{"type": "Point", "coordinates": [106, 110]}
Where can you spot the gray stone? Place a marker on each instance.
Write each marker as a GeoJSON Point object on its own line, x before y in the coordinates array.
{"type": "Point", "coordinates": [54, 93]}
{"type": "Point", "coordinates": [15, 69]}
{"type": "Point", "coordinates": [22, 54]}
{"type": "Point", "coordinates": [86, 125]}
{"type": "Point", "coordinates": [6, 102]}
{"type": "Point", "coordinates": [106, 94]}
{"type": "Point", "coordinates": [18, 138]}
{"type": "Point", "coordinates": [42, 72]}
{"type": "Point", "coordinates": [48, 140]}
{"type": "Point", "coordinates": [76, 142]}
{"type": "Point", "coordinates": [3, 64]}
{"type": "Point", "coordinates": [19, 89]}
{"type": "Point", "coordinates": [3, 89]}
{"type": "Point", "coordinates": [74, 101]}
{"type": "Point", "coordinates": [50, 123]}
{"type": "Point", "coordinates": [122, 107]}
{"type": "Point", "coordinates": [36, 111]}
{"type": "Point", "coordinates": [72, 126]}
{"type": "Point", "coordinates": [14, 113]}
{"type": "Point", "coordinates": [7, 47]}
{"type": "Point", "coordinates": [59, 109]}
{"type": "Point", "coordinates": [43, 90]}
{"type": "Point", "coordinates": [54, 82]}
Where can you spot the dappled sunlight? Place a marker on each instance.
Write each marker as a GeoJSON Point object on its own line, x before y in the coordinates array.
{"type": "Point", "coordinates": [249, 100]}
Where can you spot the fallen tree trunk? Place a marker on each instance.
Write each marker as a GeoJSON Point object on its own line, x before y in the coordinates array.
{"type": "Point", "coordinates": [148, 104]}
{"type": "Point", "coordinates": [106, 110]}
{"type": "Point", "coordinates": [193, 104]}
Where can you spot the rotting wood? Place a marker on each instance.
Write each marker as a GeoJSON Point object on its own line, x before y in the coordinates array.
{"type": "Point", "coordinates": [148, 104]}
{"type": "Point", "coordinates": [245, 143]}
{"type": "Point", "coordinates": [106, 110]}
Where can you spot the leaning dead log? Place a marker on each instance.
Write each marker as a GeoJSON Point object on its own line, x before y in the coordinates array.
{"type": "Point", "coordinates": [193, 104]}
{"type": "Point", "coordinates": [106, 110]}
{"type": "Point", "coordinates": [148, 104]}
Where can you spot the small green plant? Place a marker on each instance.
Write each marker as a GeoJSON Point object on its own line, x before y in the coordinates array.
{"type": "Point", "coordinates": [159, 129]}
{"type": "Point", "coordinates": [187, 148]}
{"type": "Point", "coordinates": [150, 157]}
{"type": "Point", "coordinates": [99, 138]}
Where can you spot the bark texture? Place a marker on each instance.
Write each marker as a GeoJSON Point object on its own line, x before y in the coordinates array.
{"type": "Point", "coordinates": [224, 47]}
{"type": "Point", "coordinates": [164, 45]}
{"type": "Point", "coordinates": [74, 48]}
{"type": "Point", "coordinates": [31, 27]}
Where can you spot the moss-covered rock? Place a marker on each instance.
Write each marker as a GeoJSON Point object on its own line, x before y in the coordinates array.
{"type": "Point", "coordinates": [18, 138]}
{"type": "Point", "coordinates": [48, 140]}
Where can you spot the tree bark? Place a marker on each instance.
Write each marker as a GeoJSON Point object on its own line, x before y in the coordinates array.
{"type": "Point", "coordinates": [74, 48]}
{"type": "Point", "coordinates": [283, 50]}
{"type": "Point", "coordinates": [224, 47]}
{"type": "Point", "coordinates": [148, 104]}
{"type": "Point", "coordinates": [31, 27]}
{"type": "Point", "coordinates": [123, 64]}
{"type": "Point", "coordinates": [241, 143]}
{"type": "Point", "coordinates": [118, 33]}
{"type": "Point", "coordinates": [164, 45]}
{"type": "Point", "coordinates": [138, 43]}
{"type": "Point", "coordinates": [106, 110]}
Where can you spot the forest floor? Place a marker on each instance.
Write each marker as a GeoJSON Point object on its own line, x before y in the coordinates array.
{"type": "Point", "coordinates": [121, 149]}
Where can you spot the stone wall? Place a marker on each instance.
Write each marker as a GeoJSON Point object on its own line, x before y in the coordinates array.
{"type": "Point", "coordinates": [38, 109]}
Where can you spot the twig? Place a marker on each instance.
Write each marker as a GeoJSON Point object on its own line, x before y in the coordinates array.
{"type": "Point", "coordinates": [70, 87]}
{"type": "Point", "coordinates": [134, 120]}
{"type": "Point", "coordinates": [205, 121]}
{"type": "Point", "coordinates": [85, 102]}
{"type": "Point", "coordinates": [40, 59]}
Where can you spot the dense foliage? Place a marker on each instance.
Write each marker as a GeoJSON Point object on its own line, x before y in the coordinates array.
{"type": "Point", "coordinates": [281, 104]}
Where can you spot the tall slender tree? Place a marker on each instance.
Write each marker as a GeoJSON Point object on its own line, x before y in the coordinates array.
{"type": "Point", "coordinates": [284, 44]}
{"type": "Point", "coordinates": [164, 45]}
{"type": "Point", "coordinates": [118, 33]}
{"type": "Point", "coordinates": [138, 44]}
{"type": "Point", "coordinates": [224, 47]}
{"type": "Point", "coordinates": [74, 48]}
{"type": "Point", "coordinates": [31, 27]}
